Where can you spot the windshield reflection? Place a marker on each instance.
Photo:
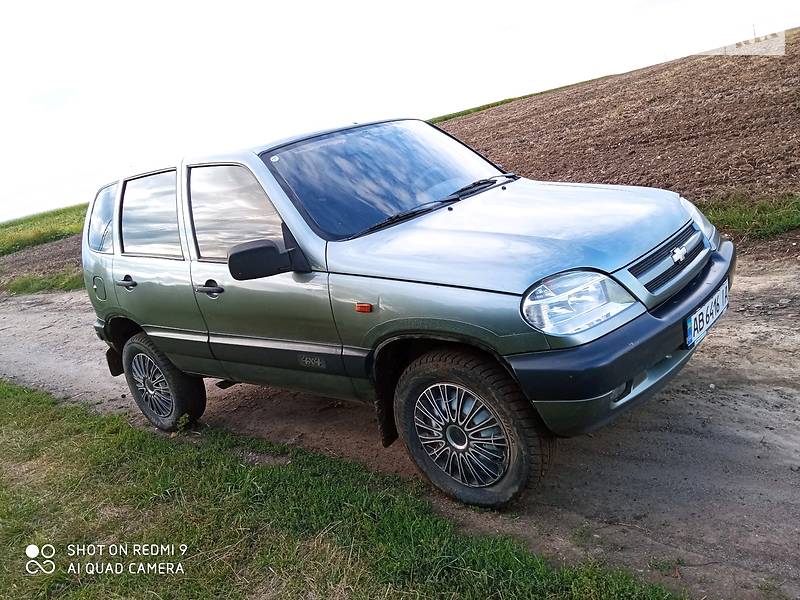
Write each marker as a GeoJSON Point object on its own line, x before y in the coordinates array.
{"type": "Point", "coordinates": [350, 180]}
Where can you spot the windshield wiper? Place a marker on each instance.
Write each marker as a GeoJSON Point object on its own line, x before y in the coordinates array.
{"type": "Point", "coordinates": [403, 215]}
{"type": "Point", "coordinates": [433, 204]}
{"type": "Point", "coordinates": [477, 186]}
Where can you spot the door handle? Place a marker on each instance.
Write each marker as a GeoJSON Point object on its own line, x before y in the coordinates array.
{"type": "Point", "coordinates": [127, 282]}
{"type": "Point", "coordinates": [210, 287]}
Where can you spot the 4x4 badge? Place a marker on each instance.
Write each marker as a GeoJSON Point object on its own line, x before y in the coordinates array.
{"type": "Point", "coordinates": [311, 362]}
{"type": "Point", "coordinates": [678, 254]}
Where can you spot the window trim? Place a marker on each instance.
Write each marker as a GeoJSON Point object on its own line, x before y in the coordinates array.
{"type": "Point", "coordinates": [177, 217]}
{"type": "Point", "coordinates": [222, 261]}
{"type": "Point", "coordinates": [110, 251]}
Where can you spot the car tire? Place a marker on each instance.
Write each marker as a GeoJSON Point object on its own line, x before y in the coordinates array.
{"type": "Point", "coordinates": [489, 447]}
{"type": "Point", "coordinates": [166, 395]}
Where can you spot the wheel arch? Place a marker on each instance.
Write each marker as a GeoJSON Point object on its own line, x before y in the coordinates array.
{"type": "Point", "coordinates": [394, 354]}
{"type": "Point", "coordinates": [119, 329]}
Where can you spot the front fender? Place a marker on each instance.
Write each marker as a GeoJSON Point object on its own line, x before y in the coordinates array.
{"type": "Point", "coordinates": [489, 319]}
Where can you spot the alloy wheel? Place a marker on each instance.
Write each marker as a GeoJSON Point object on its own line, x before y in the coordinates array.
{"type": "Point", "coordinates": [152, 385]}
{"type": "Point", "coordinates": [461, 434]}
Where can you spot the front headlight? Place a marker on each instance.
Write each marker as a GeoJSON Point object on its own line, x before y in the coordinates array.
{"type": "Point", "coordinates": [702, 222]}
{"type": "Point", "coordinates": [574, 301]}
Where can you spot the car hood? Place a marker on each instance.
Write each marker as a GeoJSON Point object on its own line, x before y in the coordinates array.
{"type": "Point", "coordinates": [506, 240]}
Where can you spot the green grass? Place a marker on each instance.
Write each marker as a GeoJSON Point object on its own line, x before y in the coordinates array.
{"type": "Point", "coordinates": [475, 109]}
{"type": "Point", "coordinates": [296, 525]}
{"type": "Point", "coordinates": [743, 217]}
{"type": "Point", "coordinates": [53, 282]}
{"type": "Point", "coordinates": [41, 228]}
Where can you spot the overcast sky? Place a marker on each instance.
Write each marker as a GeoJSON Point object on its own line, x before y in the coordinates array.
{"type": "Point", "coordinates": [92, 91]}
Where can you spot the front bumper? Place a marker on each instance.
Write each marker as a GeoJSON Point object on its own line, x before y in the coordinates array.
{"type": "Point", "coordinates": [580, 389]}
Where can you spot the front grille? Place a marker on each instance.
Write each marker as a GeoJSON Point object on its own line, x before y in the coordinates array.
{"type": "Point", "coordinates": [657, 269]}
{"type": "Point", "coordinates": [667, 276]}
{"type": "Point", "coordinates": [662, 252]}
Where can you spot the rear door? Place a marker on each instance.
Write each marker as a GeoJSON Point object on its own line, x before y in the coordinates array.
{"type": "Point", "coordinates": [152, 277]}
{"type": "Point", "coordinates": [275, 330]}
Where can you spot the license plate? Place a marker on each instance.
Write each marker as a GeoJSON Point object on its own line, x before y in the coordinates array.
{"type": "Point", "coordinates": [701, 320]}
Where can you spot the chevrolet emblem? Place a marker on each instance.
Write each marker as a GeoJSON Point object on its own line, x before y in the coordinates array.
{"type": "Point", "coordinates": [678, 254]}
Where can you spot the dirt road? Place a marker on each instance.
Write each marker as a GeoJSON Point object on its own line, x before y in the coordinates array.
{"type": "Point", "coordinates": [698, 489]}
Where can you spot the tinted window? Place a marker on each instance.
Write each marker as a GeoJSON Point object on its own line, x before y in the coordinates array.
{"type": "Point", "coordinates": [149, 216]}
{"type": "Point", "coordinates": [229, 207]}
{"type": "Point", "coordinates": [100, 223]}
{"type": "Point", "coordinates": [349, 180]}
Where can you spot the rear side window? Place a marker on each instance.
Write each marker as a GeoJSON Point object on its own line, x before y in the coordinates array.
{"type": "Point", "coordinates": [100, 223]}
{"type": "Point", "coordinates": [150, 217]}
{"type": "Point", "coordinates": [229, 207]}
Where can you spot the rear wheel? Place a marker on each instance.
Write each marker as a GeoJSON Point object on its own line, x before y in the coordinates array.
{"type": "Point", "coordinates": [469, 429]}
{"type": "Point", "coordinates": [164, 394]}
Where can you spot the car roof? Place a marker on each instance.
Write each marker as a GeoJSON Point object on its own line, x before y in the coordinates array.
{"type": "Point", "coordinates": [304, 136]}
{"type": "Point", "coordinates": [221, 157]}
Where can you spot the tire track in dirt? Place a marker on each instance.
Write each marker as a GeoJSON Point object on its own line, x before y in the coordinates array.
{"type": "Point", "coordinates": [706, 474]}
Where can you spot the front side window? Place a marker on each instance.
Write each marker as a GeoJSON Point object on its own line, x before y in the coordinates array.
{"type": "Point", "coordinates": [150, 217]}
{"type": "Point", "coordinates": [350, 180]}
{"type": "Point", "coordinates": [229, 207]}
{"type": "Point", "coordinates": [100, 223]}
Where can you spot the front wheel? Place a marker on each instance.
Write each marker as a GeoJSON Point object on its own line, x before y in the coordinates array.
{"type": "Point", "coordinates": [164, 394]}
{"type": "Point", "coordinates": [469, 429]}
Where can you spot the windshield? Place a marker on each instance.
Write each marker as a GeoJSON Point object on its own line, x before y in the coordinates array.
{"type": "Point", "coordinates": [347, 181]}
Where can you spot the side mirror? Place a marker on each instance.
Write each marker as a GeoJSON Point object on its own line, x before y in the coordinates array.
{"type": "Point", "coordinates": [260, 258]}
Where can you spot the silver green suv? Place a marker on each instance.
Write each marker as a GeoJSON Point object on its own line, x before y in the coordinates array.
{"type": "Point", "coordinates": [482, 314]}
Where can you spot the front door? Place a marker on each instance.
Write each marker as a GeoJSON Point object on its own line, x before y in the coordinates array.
{"type": "Point", "coordinates": [275, 330]}
{"type": "Point", "coordinates": [152, 278]}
